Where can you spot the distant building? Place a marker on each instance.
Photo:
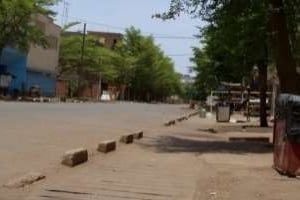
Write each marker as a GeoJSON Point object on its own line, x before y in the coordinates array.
{"type": "Point", "coordinates": [94, 90]}
{"type": "Point", "coordinates": [106, 39]}
{"type": "Point", "coordinates": [37, 67]}
{"type": "Point", "coordinates": [187, 79]}
{"type": "Point", "coordinates": [42, 63]}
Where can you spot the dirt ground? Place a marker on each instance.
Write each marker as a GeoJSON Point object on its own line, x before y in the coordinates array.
{"type": "Point", "coordinates": [192, 160]}
{"type": "Point", "coordinates": [34, 136]}
{"type": "Point", "coordinates": [231, 170]}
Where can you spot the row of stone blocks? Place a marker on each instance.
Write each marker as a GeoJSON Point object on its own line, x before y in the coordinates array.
{"type": "Point", "coordinates": [71, 158]}
{"type": "Point", "coordinates": [77, 156]}
{"type": "Point", "coordinates": [173, 122]}
{"type": "Point", "coordinates": [194, 114]}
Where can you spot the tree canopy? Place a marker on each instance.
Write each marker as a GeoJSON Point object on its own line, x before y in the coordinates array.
{"type": "Point", "coordinates": [96, 58]}
{"type": "Point", "coordinates": [235, 41]}
{"type": "Point", "coordinates": [237, 36]}
{"type": "Point", "coordinates": [259, 30]}
{"type": "Point", "coordinates": [152, 73]}
{"type": "Point", "coordinates": [136, 62]}
{"type": "Point", "coordinates": [243, 33]}
{"type": "Point", "coordinates": [16, 25]}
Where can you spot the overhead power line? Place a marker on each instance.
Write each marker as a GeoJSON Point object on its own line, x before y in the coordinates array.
{"type": "Point", "coordinates": [155, 35]}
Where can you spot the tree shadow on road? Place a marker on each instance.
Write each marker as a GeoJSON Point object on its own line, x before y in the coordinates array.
{"type": "Point", "coordinates": [243, 128]}
{"type": "Point", "coordinates": [171, 144]}
{"type": "Point", "coordinates": [221, 129]}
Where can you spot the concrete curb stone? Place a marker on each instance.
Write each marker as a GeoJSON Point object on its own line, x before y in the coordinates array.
{"type": "Point", "coordinates": [107, 146]}
{"type": "Point", "coordinates": [138, 135]}
{"type": "Point", "coordinates": [75, 157]}
{"type": "Point", "coordinates": [127, 139]}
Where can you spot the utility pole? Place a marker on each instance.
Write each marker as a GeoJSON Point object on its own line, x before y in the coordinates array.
{"type": "Point", "coordinates": [83, 42]}
{"type": "Point", "coordinates": [100, 86]}
{"type": "Point", "coordinates": [80, 70]}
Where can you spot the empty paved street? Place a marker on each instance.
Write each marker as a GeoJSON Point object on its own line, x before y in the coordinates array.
{"type": "Point", "coordinates": [188, 161]}
{"type": "Point", "coordinates": [34, 136]}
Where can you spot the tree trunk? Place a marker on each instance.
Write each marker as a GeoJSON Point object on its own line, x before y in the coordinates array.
{"type": "Point", "coordinates": [122, 93]}
{"type": "Point", "coordinates": [285, 62]}
{"type": "Point", "coordinates": [129, 94]}
{"type": "Point", "coordinates": [263, 73]}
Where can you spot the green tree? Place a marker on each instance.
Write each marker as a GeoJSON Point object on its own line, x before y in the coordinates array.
{"type": "Point", "coordinates": [234, 44]}
{"type": "Point", "coordinates": [16, 24]}
{"type": "Point", "coordinates": [151, 74]}
{"type": "Point", "coordinates": [245, 28]}
{"type": "Point", "coordinates": [135, 62]}
{"type": "Point", "coordinates": [281, 20]}
{"type": "Point", "coordinates": [205, 80]}
{"type": "Point", "coordinates": [96, 59]}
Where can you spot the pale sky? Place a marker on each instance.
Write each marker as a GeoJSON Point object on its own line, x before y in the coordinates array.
{"type": "Point", "coordinates": [116, 15]}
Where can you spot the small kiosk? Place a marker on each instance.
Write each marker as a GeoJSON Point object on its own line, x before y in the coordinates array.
{"type": "Point", "coordinates": [287, 135]}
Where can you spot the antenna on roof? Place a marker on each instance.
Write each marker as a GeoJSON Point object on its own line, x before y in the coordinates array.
{"type": "Point", "coordinates": [65, 15]}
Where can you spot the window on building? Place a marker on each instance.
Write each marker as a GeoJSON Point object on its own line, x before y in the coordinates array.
{"type": "Point", "coordinates": [115, 41]}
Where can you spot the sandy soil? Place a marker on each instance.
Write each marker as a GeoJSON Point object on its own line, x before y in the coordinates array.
{"type": "Point", "coordinates": [192, 160]}
{"type": "Point", "coordinates": [33, 137]}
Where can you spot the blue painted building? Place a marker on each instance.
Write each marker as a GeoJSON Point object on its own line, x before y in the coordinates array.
{"type": "Point", "coordinates": [46, 81]}
{"type": "Point", "coordinates": [37, 67]}
{"type": "Point", "coordinates": [14, 63]}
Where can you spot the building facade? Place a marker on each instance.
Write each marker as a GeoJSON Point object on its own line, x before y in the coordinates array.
{"type": "Point", "coordinates": [108, 39]}
{"type": "Point", "coordinates": [37, 67]}
{"type": "Point", "coordinates": [42, 63]}
{"type": "Point", "coordinates": [13, 62]}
